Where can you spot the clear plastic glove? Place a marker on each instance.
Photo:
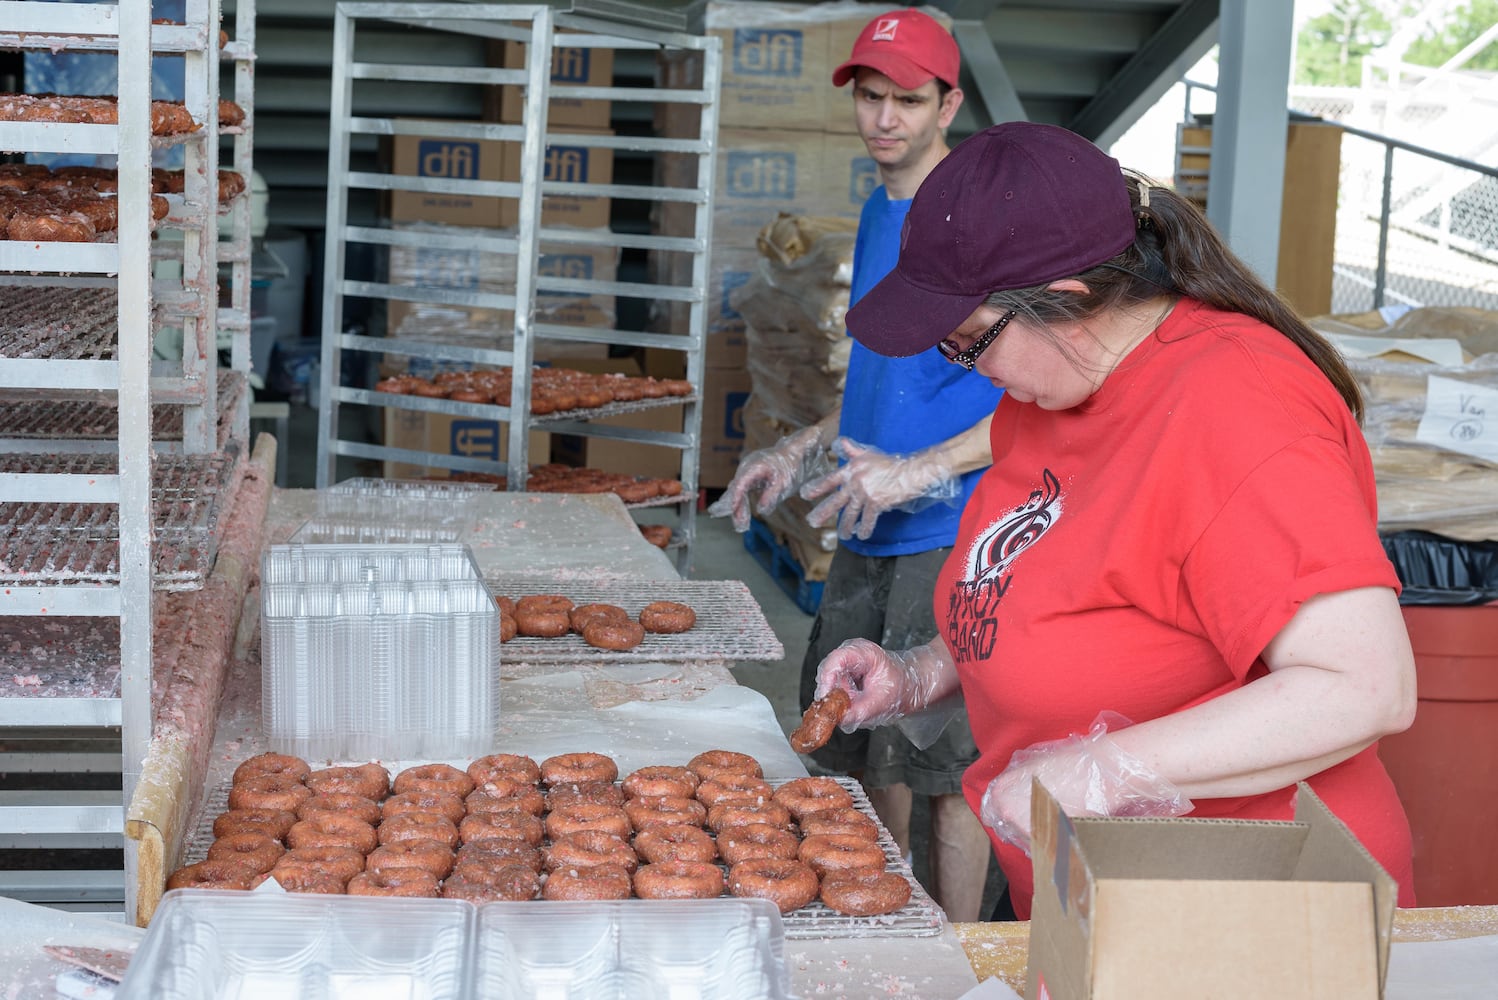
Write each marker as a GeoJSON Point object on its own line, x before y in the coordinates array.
{"type": "Point", "coordinates": [1087, 775]}
{"type": "Point", "coordinates": [907, 687]}
{"type": "Point", "coordinates": [870, 482]}
{"type": "Point", "coordinates": [768, 476]}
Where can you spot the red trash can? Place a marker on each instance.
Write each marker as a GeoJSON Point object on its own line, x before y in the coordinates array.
{"type": "Point", "coordinates": [1445, 766]}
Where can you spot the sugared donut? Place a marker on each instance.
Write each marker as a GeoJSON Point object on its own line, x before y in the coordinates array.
{"type": "Point", "coordinates": [725, 814]}
{"type": "Point", "coordinates": [589, 848]}
{"type": "Point", "coordinates": [756, 840]}
{"type": "Point", "coordinates": [521, 826]}
{"type": "Point", "coordinates": [848, 822]}
{"type": "Point", "coordinates": [664, 810]}
{"type": "Point", "coordinates": [272, 763]}
{"type": "Point", "coordinates": [331, 829]}
{"type": "Point", "coordinates": [498, 853]}
{"type": "Point", "coordinates": [542, 624]}
{"type": "Point", "coordinates": [49, 225]}
{"type": "Point", "coordinates": [786, 883]}
{"type": "Point", "coordinates": [304, 880]}
{"type": "Point", "coordinates": [513, 766]}
{"type": "Point", "coordinates": [509, 628]}
{"type": "Point", "coordinates": [353, 805]}
{"type": "Point", "coordinates": [510, 883]}
{"type": "Point", "coordinates": [679, 880]}
{"type": "Point", "coordinates": [369, 781]}
{"type": "Point", "coordinates": [271, 822]}
{"type": "Point", "coordinates": [433, 778]}
{"type": "Point", "coordinates": [667, 617]}
{"type": "Point", "coordinates": [803, 796]}
{"type": "Point", "coordinates": [256, 848]}
{"type": "Point", "coordinates": [740, 788]}
{"type": "Point", "coordinates": [603, 793]}
{"type": "Point", "coordinates": [268, 791]}
{"type": "Point", "coordinates": [553, 603]}
{"type": "Point", "coordinates": [660, 779]}
{"type": "Point", "coordinates": [820, 719]}
{"type": "Point", "coordinates": [506, 605]}
{"type": "Point", "coordinates": [340, 862]}
{"type": "Point", "coordinates": [419, 826]}
{"type": "Point", "coordinates": [658, 535]}
{"type": "Point", "coordinates": [502, 785]}
{"type": "Point", "coordinates": [618, 636]}
{"type": "Point", "coordinates": [597, 882]}
{"type": "Point", "coordinates": [529, 801]}
{"type": "Point", "coordinates": [578, 768]}
{"type": "Point", "coordinates": [717, 763]}
{"type": "Point", "coordinates": [226, 873]}
{"type": "Point", "coordinates": [676, 843]}
{"type": "Point", "coordinates": [829, 854]}
{"type": "Point", "coordinates": [865, 894]}
{"type": "Point", "coordinates": [585, 614]}
{"type": "Point", "coordinates": [428, 855]}
{"type": "Point", "coordinates": [394, 882]}
{"type": "Point", "coordinates": [580, 816]}
{"type": "Point", "coordinates": [434, 803]}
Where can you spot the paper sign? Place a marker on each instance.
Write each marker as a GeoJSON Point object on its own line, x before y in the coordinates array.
{"type": "Point", "coordinates": [1460, 417]}
{"type": "Point", "coordinates": [1442, 351]}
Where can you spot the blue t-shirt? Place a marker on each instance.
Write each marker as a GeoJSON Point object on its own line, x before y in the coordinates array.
{"type": "Point", "coordinates": [901, 405]}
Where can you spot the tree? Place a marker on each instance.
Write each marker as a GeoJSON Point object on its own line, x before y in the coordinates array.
{"type": "Point", "coordinates": [1464, 26]}
{"type": "Point", "coordinates": [1330, 48]}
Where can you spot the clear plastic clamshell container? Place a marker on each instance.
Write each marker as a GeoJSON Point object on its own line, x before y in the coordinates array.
{"type": "Point", "coordinates": [440, 500]}
{"type": "Point", "coordinates": [377, 652]}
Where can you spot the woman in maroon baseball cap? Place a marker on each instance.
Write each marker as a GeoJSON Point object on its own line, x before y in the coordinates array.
{"type": "Point", "coordinates": [1168, 595]}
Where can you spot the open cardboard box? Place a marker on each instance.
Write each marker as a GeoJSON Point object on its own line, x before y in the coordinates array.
{"type": "Point", "coordinates": [1129, 909]}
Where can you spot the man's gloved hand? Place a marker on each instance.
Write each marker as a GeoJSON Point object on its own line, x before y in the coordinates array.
{"type": "Point", "coordinates": [883, 685]}
{"type": "Point", "coordinates": [870, 482]}
{"type": "Point", "coordinates": [1087, 775]}
{"type": "Point", "coordinates": [768, 476]}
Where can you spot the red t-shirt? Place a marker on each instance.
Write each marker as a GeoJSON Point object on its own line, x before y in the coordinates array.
{"type": "Point", "coordinates": [1136, 553]}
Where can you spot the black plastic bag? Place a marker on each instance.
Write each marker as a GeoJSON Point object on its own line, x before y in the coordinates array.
{"type": "Point", "coordinates": [1439, 570]}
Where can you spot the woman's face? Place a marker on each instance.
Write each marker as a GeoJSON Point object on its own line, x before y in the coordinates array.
{"type": "Point", "coordinates": [1028, 364]}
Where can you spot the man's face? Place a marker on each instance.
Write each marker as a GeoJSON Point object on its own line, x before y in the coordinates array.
{"type": "Point", "coordinates": [898, 126]}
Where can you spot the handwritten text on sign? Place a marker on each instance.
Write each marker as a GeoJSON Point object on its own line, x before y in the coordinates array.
{"type": "Point", "coordinates": [1460, 417]}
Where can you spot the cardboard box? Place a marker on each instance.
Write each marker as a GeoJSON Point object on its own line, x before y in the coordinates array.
{"type": "Point", "coordinates": [572, 66]}
{"type": "Point", "coordinates": [1130, 909]}
{"type": "Point", "coordinates": [450, 435]}
{"type": "Point", "coordinates": [724, 393]}
{"type": "Point", "coordinates": [570, 164]}
{"type": "Point", "coordinates": [458, 159]}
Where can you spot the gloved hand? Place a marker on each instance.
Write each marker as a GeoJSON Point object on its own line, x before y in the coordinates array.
{"type": "Point", "coordinates": [773, 473]}
{"type": "Point", "coordinates": [1087, 775]}
{"type": "Point", "coordinates": [870, 482]}
{"type": "Point", "coordinates": [908, 687]}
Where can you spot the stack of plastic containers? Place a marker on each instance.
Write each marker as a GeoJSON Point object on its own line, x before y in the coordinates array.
{"type": "Point", "coordinates": [269, 945]}
{"type": "Point", "coordinates": [399, 511]}
{"type": "Point", "coordinates": [378, 652]}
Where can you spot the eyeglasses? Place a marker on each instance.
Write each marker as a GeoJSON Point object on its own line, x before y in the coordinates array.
{"type": "Point", "coordinates": [969, 358]}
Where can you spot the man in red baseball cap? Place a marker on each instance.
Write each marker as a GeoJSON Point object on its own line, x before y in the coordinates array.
{"type": "Point", "coordinates": [910, 432]}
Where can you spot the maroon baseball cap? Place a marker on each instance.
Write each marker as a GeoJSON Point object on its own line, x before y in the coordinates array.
{"type": "Point", "coordinates": [1014, 206]}
{"type": "Point", "coordinates": [905, 45]}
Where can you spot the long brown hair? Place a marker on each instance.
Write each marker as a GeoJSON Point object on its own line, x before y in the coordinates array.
{"type": "Point", "coordinates": [1176, 251]}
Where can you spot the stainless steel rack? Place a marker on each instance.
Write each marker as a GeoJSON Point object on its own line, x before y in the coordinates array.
{"type": "Point", "coordinates": [619, 26]}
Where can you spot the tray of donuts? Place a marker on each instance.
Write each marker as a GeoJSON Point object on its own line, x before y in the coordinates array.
{"type": "Point", "coordinates": [624, 619]}
{"type": "Point", "coordinates": [569, 828]}
{"type": "Point", "coordinates": [167, 117]}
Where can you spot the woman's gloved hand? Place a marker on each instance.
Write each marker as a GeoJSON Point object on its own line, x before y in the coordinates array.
{"type": "Point", "coordinates": [870, 482]}
{"type": "Point", "coordinates": [1087, 775]}
{"type": "Point", "coordinates": [767, 477]}
{"type": "Point", "coordinates": [885, 685]}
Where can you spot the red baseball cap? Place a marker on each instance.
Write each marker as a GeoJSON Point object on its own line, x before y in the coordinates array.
{"type": "Point", "coordinates": [1015, 206]}
{"type": "Point", "coordinates": [905, 45]}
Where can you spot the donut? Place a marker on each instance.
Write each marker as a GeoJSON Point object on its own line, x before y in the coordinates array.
{"type": "Point", "coordinates": [418, 826]}
{"type": "Point", "coordinates": [728, 813]}
{"type": "Point", "coordinates": [617, 636]}
{"type": "Point", "coordinates": [509, 628]}
{"type": "Point", "coordinates": [506, 606]}
{"type": "Point", "coordinates": [679, 880]}
{"type": "Point", "coordinates": [399, 385]}
{"type": "Point", "coordinates": [340, 862]}
{"type": "Point", "coordinates": [588, 849]}
{"type": "Point", "coordinates": [585, 614]}
{"type": "Point", "coordinates": [498, 853]}
{"type": "Point", "coordinates": [676, 843]}
{"type": "Point", "coordinates": [660, 779]}
{"type": "Point", "coordinates": [370, 781]}
{"type": "Point", "coordinates": [803, 796]}
{"type": "Point", "coordinates": [502, 785]}
{"type": "Point", "coordinates": [578, 768]}
{"type": "Point", "coordinates": [434, 803]}
{"type": "Point", "coordinates": [353, 805]}
{"type": "Point", "coordinates": [272, 763]}
{"type": "Point", "coordinates": [542, 624]}
{"type": "Point", "coordinates": [271, 822]}
{"type": "Point", "coordinates": [433, 778]}
{"type": "Point", "coordinates": [603, 793]}
{"type": "Point", "coordinates": [467, 395]}
{"type": "Point", "coordinates": [716, 763]}
{"type": "Point", "coordinates": [597, 882]}
{"type": "Point", "coordinates": [848, 822]}
{"type": "Point", "coordinates": [658, 535]}
{"type": "Point", "coordinates": [743, 788]}
{"type": "Point", "coordinates": [509, 883]}
{"type": "Point", "coordinates": [268, 791]}
{"type": "Point", "coordinates": [429, 855]}
{"type": "Point", "coordinates": [520, 826]}
{"type": "Point", "coordinates": [829, 853]}
{"type": "Point", "coordinates": [529, 801]}
{"type": "Point", "coordinates": [819, 720]}
{"type": "Point", "coordinates": [331, 829]}
{"type": "Point", "coordinates": [230, 115]}
{"type": "Point", "coordinates": [394, 882]}
{"type": "Point", "coordinates": [865, 894]}
{"type": "Point", "coordinates": [170, 118]}
{"type": "Point", "coordinates": [786, 883]}
{"type": "Point", "coordinates": [50, 225]}
{"type": "Point", "coordinates": [667, 617]}
{"type": "Point", "coordinates": [664, 810]}
{"type": "Point", "coordinates": [255, 848]}
{"type": "Point", "coordinates": [304, 880]}
{"type": "Point", "coordinates": [513, 766]}
{"type": "Point", "coordinates": [587, 816]}
{"type": "Point", "coordinates": [756, 840]}
{"type": "Point", "coordinates": [552, 603]}
{"type": "Point", "coordinates": [220, 873]}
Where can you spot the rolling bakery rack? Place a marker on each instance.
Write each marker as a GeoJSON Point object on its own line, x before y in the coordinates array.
{"type": "Point", "coordinates": [528, 242]}
{"type": "Point", "coordinates": [116, 471]}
